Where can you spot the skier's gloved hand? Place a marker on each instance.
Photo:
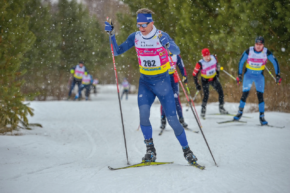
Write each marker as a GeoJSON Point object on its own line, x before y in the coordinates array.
{"type": "Point", "coordinates": [239, 79]}
{"type": "Point", "coordinates": [278, 79]}
{"type": "Point", "coordinates": [109, 27]}
{"type": "Point", "coordinates": [184, 79]}
{"type": "Point", "coordinates": [198, 87]}
{"type": "Point", "coordinates": [164, 41]}
{"type": "Point", "coordinates": [72, 71]}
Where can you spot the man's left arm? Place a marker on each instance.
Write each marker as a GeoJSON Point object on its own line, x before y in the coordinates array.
{"type": "Point", "coordinates": [274, 61]}
{"type": "Point", "coordinates": [166, 39]}
{"type": "Point", "coordinates": [217, 67]}
{"type": "Point", "coordinates": [181, 66]}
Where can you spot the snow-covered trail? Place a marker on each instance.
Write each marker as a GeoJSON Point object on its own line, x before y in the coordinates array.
{"type": "Point", "coordinates": [81, 138]}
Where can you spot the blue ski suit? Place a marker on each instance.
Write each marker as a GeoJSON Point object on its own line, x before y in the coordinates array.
{"type": "Point", "coordinates": [154, 81]}
{"type": "Point", "coordinates": [175, 87]}
{"type": "Point", "coordinates": [255, 74]}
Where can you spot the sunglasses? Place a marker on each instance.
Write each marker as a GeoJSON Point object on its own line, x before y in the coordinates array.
{"type": "Point", "coordinates": [142, 25]}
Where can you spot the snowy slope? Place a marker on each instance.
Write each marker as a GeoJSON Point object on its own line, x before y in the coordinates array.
{"type": "Point", "coordinates": [80, 139]}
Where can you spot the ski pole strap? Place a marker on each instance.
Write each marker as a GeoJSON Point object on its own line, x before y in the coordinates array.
{"type": "Point", "coordinates": [270, 73]}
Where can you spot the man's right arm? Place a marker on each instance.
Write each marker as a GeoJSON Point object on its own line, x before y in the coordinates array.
{"type": "Point", "coordinates": [195, 74]}
{"type": "Point", "coordinates": [242, 61]}
{"type": "Point", "coordinates": [129, 43]}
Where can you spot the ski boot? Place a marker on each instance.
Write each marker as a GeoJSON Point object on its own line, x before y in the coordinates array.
{"type": "Point", "coordinates": [188, 155]}
{"type": "Point", "coordinates": [222, 110]}
{"type": "Point", "coordinates": [239, 115]}
{"type": "Point", "coordinates": [87, 98]}
{"type": "Point", "coordinates": [163, 122]}
{"type": "Point", "coordinates": [181, 120]}
{"type": "Point", "coordinates": [262, 119]}
{"type": "Point", "coordinates": [150, 155]}
{"type": "Point", "coordinates": [203, 109]}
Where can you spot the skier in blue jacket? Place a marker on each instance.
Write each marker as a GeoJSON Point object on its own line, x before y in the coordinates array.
{"type": "Point", "coordinates": [176, 61]}
{"type": "Point", "coordinates": [256, 57]}
{"type": "Point", "coordinates": [150, 45]}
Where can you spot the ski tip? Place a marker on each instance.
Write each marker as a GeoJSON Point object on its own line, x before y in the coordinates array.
{"type": "Point", "coordinates": [111, 168]}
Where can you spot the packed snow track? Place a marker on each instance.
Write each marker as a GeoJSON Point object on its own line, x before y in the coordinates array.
{"type": "Point", "coordinates": [80, 139]}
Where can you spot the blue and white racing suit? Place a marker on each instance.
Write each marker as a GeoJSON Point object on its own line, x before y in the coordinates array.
{"type": "Point", "coordinates": [255, 66]}
{"type": "Point", "coordinates": [154, 80]}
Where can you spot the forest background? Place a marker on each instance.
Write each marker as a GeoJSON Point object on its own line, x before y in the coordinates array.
{"type": "Point", "coordinates": [40, 40]}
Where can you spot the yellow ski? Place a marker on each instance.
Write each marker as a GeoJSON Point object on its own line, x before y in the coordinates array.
{"type": "Point", "coordinates": [143, 163]}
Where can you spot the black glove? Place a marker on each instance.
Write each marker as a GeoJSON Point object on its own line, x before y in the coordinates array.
{"type": "Point", "coordinates": [278, 79]}
{"type": "Point", "coordinates": [239, 79]}
{"type": "Point", "coordinates": [198, 87]}
{"type": "Point", "coordinates": [184, 79]}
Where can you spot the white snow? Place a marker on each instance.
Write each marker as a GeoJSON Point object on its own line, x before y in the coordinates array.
{"type": "Point", "coordinates": [80, 139]}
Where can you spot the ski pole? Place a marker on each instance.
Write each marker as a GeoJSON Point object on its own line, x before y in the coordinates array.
{"type": "Point", "coordinates": [270, 73]}
{"type": "Point", "coordinates": [190, 105]}
{"type": "Point", "coordinates": [195, 95]}
{"type": "Point", "coordinates": [193, 98]}
{"type": "Point", "coordinates": [195, 114]}
{"type": "Point", "coordinates": [117, 84]}
{"type": "Point", "coordinates": [222, 69]}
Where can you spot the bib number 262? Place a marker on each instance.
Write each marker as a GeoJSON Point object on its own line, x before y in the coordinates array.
{"type": "Point", "coordinates": [149, 63]}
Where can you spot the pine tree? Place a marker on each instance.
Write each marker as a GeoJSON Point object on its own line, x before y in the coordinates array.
{"type": "Point", "coordinates": [44, 57]}
{"type": "Point", "coordinates": [15, 40]}
{"type": "Point", "coordinates": [82, 37]}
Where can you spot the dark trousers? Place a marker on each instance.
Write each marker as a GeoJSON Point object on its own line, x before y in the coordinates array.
{"type": "Point", "coordinates": [216, 85]}
{"type": "Point", "coordinates": [74, 82]}
{"type": "Point", "coordinates": [88, 89]}
{"type": "Point", "coordinates": [125, 91]}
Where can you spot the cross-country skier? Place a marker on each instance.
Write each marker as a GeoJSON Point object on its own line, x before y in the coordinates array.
{"type": "Point", "coordinates": [176, 60]}
{"type": "Point", "coordinates": [256, 57]}
{"type": "Point", "coordinates": [209, 68]}
{"type": "Point", "coordinates": [154, 80]}
{"type": "Point", "coordinates": [126, 87]}
{"type": "Point", "coordinates": [86, 84]}
{"type": "Point", "coordinates": [78, 71]}
{"type": "Point", "coordinates": [95, 83]}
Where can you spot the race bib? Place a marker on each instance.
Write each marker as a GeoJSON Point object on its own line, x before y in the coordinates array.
{"type": "Point", "coordinates": [210, 72]}
{"type": "Point", "coordinates": [150, 61]}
